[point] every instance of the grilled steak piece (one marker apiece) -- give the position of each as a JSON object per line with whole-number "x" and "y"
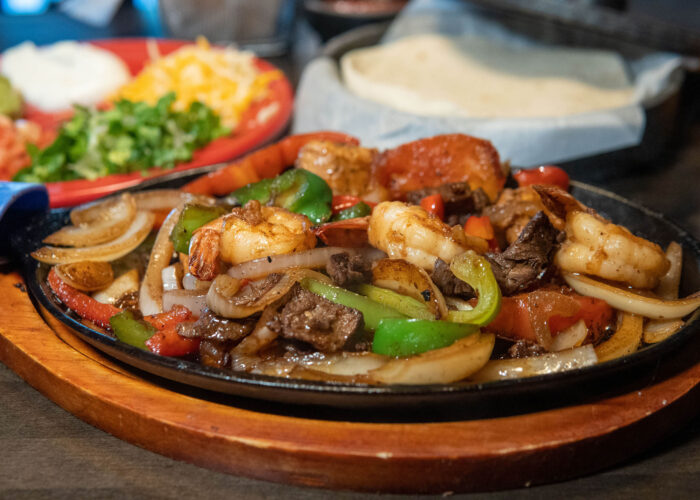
{"x": 448, "y": 283}
{"x": 214, "y": 353}
{"x": 345, "y": 269}
{"x": 459, "y": 199}
{"x": 209, "y": 326}
{"x": 524, "y": 264}
{"x": 313, "y": 319}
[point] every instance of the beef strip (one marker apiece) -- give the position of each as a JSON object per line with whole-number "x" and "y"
{"x": 345, "y": 269}
{"x": 214, "y": 353}
{"x": 459, "y": 199}
{"x": 523, "y": 265}
{"x": 313, "y": 319}
{"x": 448, "y": 283}
{"x": 209, "y": 326}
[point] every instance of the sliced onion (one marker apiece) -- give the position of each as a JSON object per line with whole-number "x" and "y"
{"x": 316, "y": 258}
{"x": 223, "y": 297}
{"x": 167, "y": 199}
{"x": 624, "y": 300}
{"x": 86, "y": 276}
{"x": 458, "y": 304}
{"x": 189, "y": 282}
{"x": 669, "y": 282}
{"x": 657, "y": 330}
{"x": 260, "y": 337}
{"x": 151, "y": 292}
{"x": 349, "y": 363}
{"x": 106, "y": 221}
{"x": 192, "y": 300}
{"x": 133, "y": 237}
{"x": 124, "y": 284}
{"x": 403, "y": 277}
{"x": 440, "y": 366}
{"x": 554, "y": 362}
{"x": 625, "y": 340}
{"x": 542, "y": 305}
{"x": 571, "y": 337}
{"x": 171, "y": 277}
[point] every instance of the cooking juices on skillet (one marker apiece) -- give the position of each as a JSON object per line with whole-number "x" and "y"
{"x": 317, "y": 258}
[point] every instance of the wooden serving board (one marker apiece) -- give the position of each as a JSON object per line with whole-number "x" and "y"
{"x": 474, "y": 455}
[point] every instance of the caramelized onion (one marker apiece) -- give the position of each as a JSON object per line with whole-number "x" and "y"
{"x": 86, "y": 276}
{"x": 100, "y": 222}
{"x": 107, "y": 252}
{"x": 633, "y": 303}
{"x": 554, "y": 362}
{"x": 439, "y": 366}
{"x": 403, "y": 277}
{"x": 151, "y": 292}
{"x": 625, "y": 340}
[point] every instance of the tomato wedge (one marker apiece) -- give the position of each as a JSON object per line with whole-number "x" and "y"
{"x": 434, "y": 204}
{"x": 547, "y": 174}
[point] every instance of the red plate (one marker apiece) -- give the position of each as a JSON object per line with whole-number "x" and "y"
{"x": 249, "y": 134}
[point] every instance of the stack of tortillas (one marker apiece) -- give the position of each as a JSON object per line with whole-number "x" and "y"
{"x": 475, "y": 77}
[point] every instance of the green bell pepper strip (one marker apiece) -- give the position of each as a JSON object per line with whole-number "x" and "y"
{"x": 297, "y": 190}
{"x": 372, "y": 311}
{"x": 361, "y": 209}
{"x": 476, "y": 271}
{"x": 408, "y": 337}
{"x": 191, "y": 218}
{"x": 402, "y": 303}
{"x": 131, "y": 331}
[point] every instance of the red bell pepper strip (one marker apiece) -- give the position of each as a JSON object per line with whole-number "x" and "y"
{"x": 167, "y": 342}
{"x": 481, "y": 227}
{"x": 548, "y": 174}
{"x": 513, "y": 321}
{"x": 261, "y": 164}
{"x": 596, "y": 313}
{"x": 84, "y": 306}
{"x": 434, "y": 204}
{"x": 176, "y": 315}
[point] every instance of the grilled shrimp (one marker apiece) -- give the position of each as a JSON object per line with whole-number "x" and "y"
{"x": 596, "y": 246}
{"x": 347, "y": 168}
{"x": 409, "y": 232}
{"x": 247, "y": 233}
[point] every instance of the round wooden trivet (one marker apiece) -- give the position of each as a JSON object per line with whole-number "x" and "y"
{"x": 473, "y": 455}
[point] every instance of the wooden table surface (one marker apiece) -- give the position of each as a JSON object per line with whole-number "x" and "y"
{"x": 47, "y": 453}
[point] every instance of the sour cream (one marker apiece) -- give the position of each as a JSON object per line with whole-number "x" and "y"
{"x": 55, "y": 77}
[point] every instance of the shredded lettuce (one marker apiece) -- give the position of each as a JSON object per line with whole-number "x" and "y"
{"x": 129, "y": 137}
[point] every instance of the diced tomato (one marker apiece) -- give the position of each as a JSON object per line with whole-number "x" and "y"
{"x": 83, "y": 305}
{"x": 547, "y": 174}
{"x": 434, "y": 204}
{"x": 176, "y": 315}
{"x": 167, "y": 342}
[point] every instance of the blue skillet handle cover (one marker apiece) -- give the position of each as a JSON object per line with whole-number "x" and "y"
{"x": 19, "y": 201}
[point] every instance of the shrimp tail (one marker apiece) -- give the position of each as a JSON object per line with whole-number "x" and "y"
{"x": 204, "y": 253}
{"x": 558, "y": 202}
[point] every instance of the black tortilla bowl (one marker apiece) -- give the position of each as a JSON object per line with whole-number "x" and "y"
{"x": 426, "y": 402}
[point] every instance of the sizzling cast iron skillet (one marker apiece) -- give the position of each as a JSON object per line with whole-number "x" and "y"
{"x": 462, "y": 399}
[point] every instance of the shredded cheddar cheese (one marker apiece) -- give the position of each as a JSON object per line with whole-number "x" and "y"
{"x": 225, "y": 79}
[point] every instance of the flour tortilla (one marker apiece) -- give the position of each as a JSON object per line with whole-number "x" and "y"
{"x": 475, "y": 77}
